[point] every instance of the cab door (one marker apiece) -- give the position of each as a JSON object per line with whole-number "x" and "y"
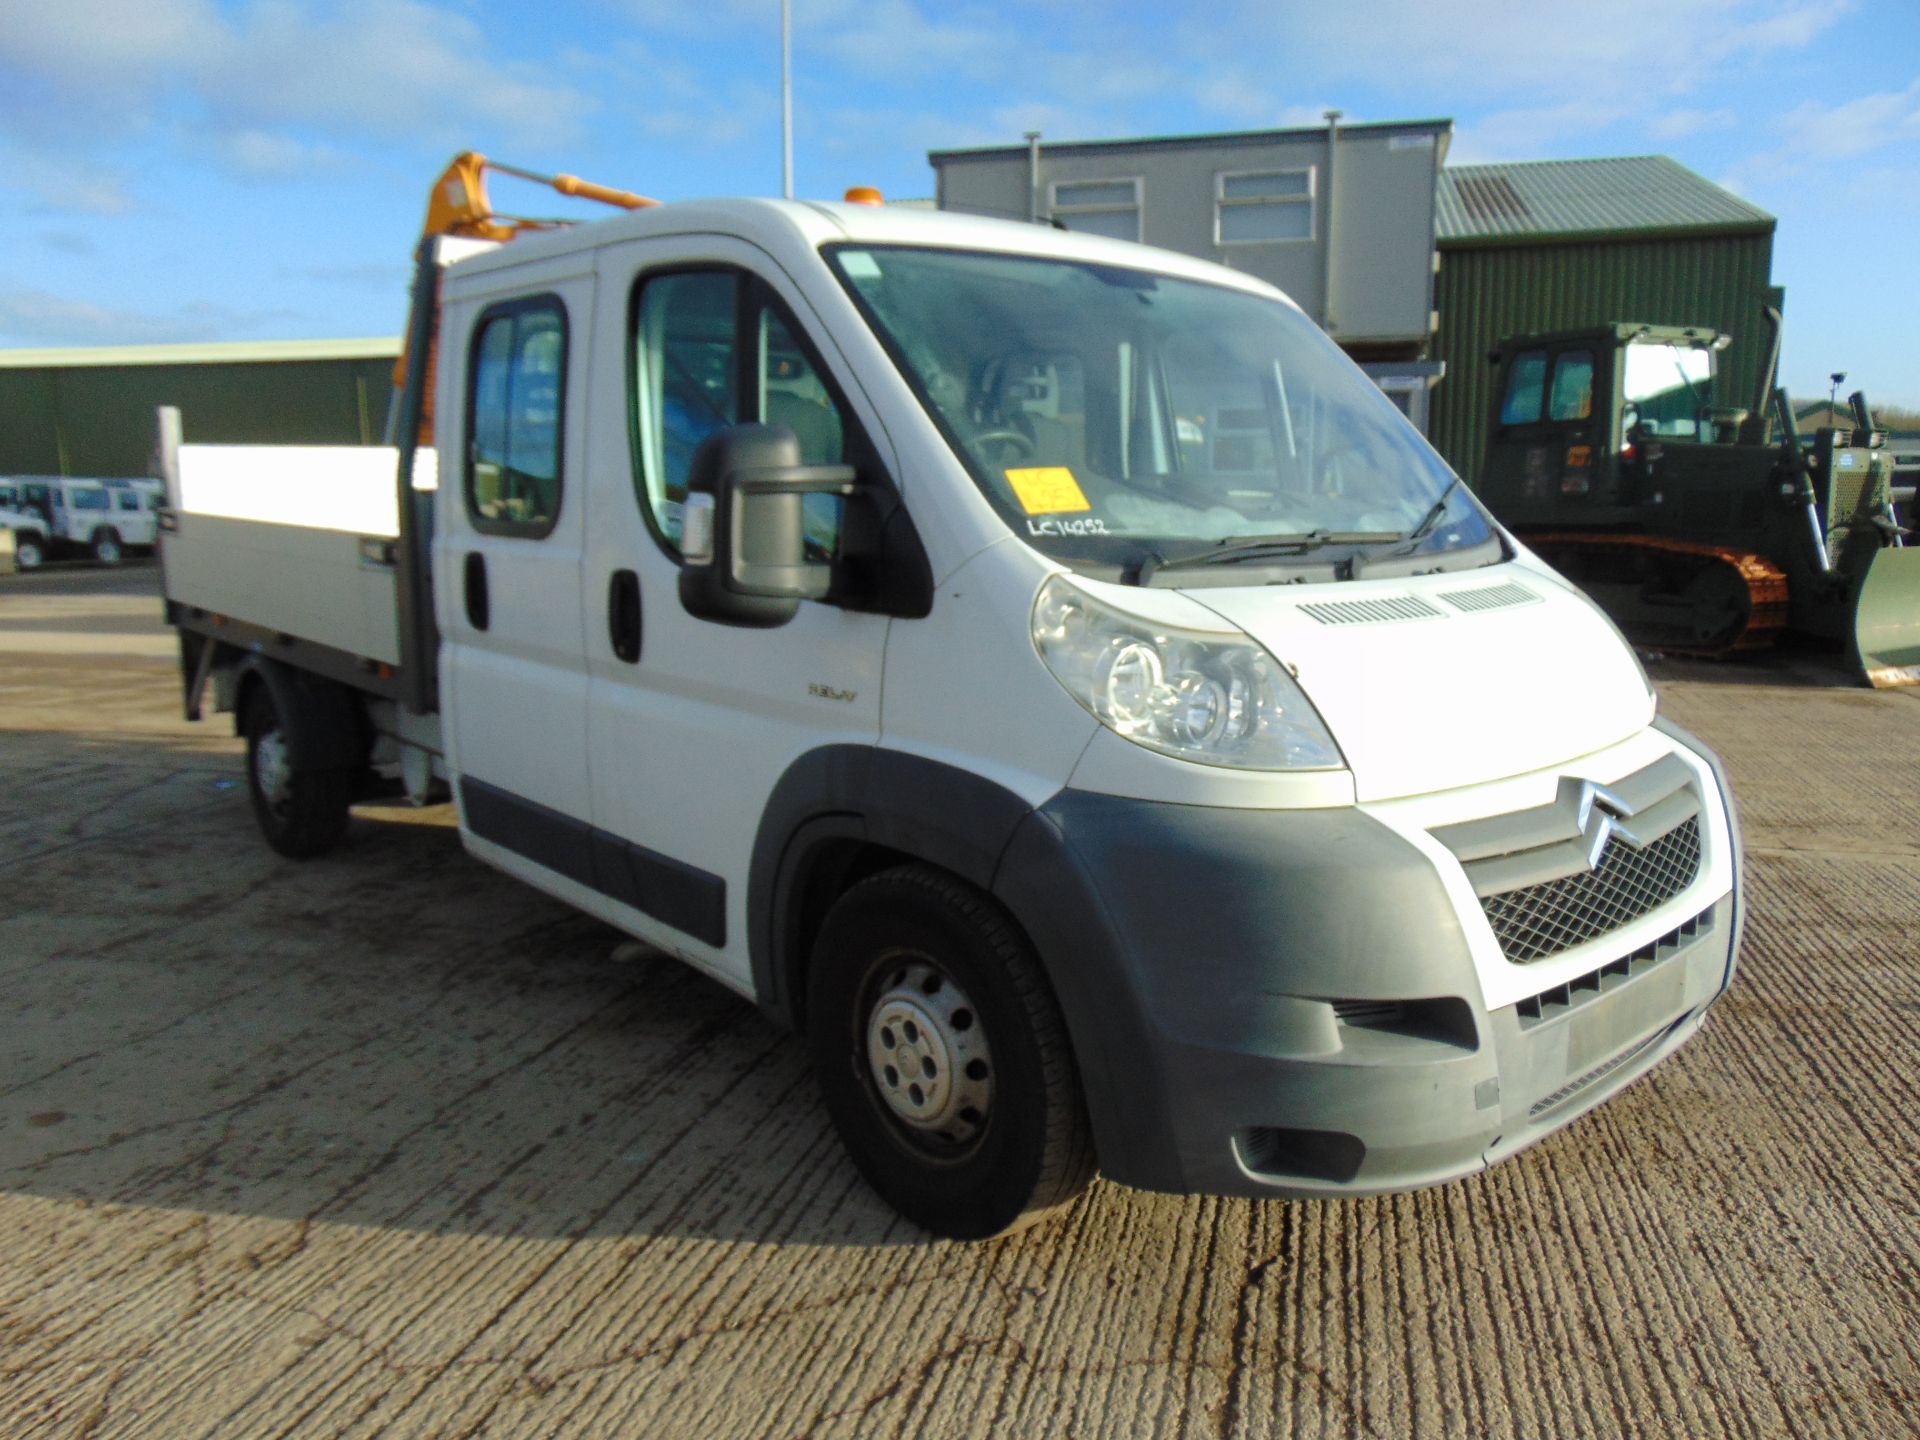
{"x": 512, "y": 415}
{"x": 692, "y": 722}
{"x": 1545, "y": 443}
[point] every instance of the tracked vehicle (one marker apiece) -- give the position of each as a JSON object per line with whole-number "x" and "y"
{"x": 1701, "y": 530}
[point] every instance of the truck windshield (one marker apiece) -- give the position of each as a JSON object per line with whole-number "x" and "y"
{"x": 1111, "y": 414}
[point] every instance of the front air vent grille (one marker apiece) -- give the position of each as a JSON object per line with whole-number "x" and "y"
{"x": 1490, "y": 597}
{"x": 1629, "y": 881}
{"x": 1552, "y": 1004}
{"x": 1593, "y": 1077}
{"x": 1382, "y": 611}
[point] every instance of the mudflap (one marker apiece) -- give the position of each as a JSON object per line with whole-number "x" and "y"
{"x": 1886, "y": 619}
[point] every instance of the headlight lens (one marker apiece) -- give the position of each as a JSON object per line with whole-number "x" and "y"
{"x": 1218, "y": 699}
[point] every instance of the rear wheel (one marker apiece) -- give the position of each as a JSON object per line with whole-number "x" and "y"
{"x": 29, "y": 550}
{"x": 943, "y": 1056}
{"x": 106, "y": 546}
{"x": 301, "y": 811}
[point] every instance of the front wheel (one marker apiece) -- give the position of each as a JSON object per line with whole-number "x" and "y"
{"x": 301, "y": 811}
{"x": 106, "y": 546}
{"x": 29, "y": 550}
{"x": 943, "y": 1056}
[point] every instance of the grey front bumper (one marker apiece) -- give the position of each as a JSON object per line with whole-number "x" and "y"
{"x": 1283, "y": 1004}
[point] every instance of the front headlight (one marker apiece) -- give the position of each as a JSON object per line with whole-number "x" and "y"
{"x": 1214, "y": 698}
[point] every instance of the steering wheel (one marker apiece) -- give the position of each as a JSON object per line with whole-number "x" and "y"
{"x": 1023, "y": 445}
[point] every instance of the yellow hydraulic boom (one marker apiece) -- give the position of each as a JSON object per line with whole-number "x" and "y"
{"x": 459, "y": 205}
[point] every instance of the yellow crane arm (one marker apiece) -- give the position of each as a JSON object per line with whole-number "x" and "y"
{"x": 459, "y": 205}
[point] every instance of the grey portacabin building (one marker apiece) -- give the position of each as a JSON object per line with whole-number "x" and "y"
{"x": 1340, "y": 217}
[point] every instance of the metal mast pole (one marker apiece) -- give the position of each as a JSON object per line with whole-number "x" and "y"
{"x": 786, "y": 98}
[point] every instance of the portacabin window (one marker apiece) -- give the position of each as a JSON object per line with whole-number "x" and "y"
{"x": 1098, "y": 207}
{"x": 516, "y": 409}
{"x": 1261, "y": 207}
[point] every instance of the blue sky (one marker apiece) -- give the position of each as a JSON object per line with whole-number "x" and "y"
{"x": 256, "y": 169}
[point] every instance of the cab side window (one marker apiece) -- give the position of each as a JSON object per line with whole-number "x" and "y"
{"x": 515, "y": 407}
{"x": 686, "y": 375}
{"x": 710, "y": 349}
{"x": 1572, "y": 396}
{"x": 1526, "y": 385}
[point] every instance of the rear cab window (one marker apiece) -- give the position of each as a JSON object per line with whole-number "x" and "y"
{"x": 515, "y": 402}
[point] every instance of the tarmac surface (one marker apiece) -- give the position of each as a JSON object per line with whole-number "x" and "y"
{"x": 386, "y": 1144}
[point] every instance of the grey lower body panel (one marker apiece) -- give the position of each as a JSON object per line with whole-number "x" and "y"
{"x": 1285, "y": 1005}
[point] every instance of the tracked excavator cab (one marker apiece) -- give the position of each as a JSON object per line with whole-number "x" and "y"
{"x": 1702, "y": 526}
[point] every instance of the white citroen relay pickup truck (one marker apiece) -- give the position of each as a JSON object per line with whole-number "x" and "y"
{"x": 1040, "y": 669}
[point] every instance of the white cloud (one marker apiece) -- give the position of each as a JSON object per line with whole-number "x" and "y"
{"x": 678, "y": 101}
{"x": 266, "y": 155}
{"x": 848, "y": 131}
{"x": 68, "y": 242}
{"x": 383, "y": 67}
{"x": 1479, "y": 48}
{"x": 1816, "y": 136}
{"x": 37, "y": 317}
{"x": 1532, "y": 132}
{"x": 1679, "y": 124}
{"x": 52, "y": 186}
{"x": 1854, "y": 127}
{"x": 81, "y": 42}
{"x": 260, "y": 78}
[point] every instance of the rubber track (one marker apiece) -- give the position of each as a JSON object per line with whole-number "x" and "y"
{"x": 1766, "y": 585}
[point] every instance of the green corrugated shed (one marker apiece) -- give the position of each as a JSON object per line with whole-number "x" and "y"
{"x": 1554, "y": 244}
{"x": 91, "y": 411}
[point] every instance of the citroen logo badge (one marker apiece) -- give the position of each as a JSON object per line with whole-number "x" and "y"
{"x": 1598, "y": 814}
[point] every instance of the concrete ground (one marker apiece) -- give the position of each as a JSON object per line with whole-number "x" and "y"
{"x": 387, "y": 1145}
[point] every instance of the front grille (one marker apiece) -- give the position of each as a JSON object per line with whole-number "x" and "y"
{"x": 1536, "y": 921}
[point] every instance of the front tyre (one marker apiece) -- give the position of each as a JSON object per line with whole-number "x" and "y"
{"x": 943, "y": 1057}
{"x": 106, "y": 546}
{"x": 29, "y": 550}
{"x": 301, "y": 811}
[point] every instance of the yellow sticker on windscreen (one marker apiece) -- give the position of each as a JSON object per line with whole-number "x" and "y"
{"x": 1048, "y": 489}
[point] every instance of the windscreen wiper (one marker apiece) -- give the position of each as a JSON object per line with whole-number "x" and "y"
{"x": 1433, "y": 516}
{"x": 1236, "y": 548}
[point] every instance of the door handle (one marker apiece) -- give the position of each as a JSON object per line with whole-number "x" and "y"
{"x": 623, "y": 615}
{"x": 479, "y": 610}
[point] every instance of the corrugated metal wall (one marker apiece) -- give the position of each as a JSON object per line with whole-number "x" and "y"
{"x": 1487, "y": 294}
{"x": 98, "y": 419}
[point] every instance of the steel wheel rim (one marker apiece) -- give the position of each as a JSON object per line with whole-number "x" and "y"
{"x": 273, "y": 770}
{"x": 927, "y": 1056}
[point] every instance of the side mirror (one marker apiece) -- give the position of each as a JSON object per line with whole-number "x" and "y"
{"x": 744, "y": 543}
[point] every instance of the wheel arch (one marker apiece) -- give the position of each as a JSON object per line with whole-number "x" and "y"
{"x": 325, "y": 723}
{"x": 841, "y": 813}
